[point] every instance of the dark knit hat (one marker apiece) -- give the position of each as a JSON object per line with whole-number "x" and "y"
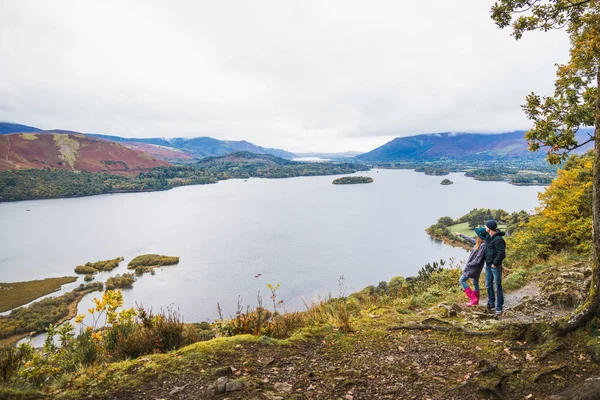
{"x": 493, "y": 225}
{"x": 481, "y": 232}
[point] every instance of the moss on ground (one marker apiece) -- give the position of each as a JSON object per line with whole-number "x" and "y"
{"x": 371, "y": 362}
{"x": 17, "y": 394}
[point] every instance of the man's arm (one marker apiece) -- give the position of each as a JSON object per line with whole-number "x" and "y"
{"x": 500, "y": 252}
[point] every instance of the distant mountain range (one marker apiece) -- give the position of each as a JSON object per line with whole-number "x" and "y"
{"x": 343, "y": 156}
{"x": 425, "y": 147}
{"x": 73, "y": 152}
{"x": 458, "y": 146}
{"x": 7, "y": 127}
{"x": 175, "y": 150}
{"x": 200, "y": 147}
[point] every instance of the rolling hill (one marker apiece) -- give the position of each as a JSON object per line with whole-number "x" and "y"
{"x": 8, "y": 127}
{"x": 449, "y": 145}
{"x": 173, "y": 150}
{"x": 200, "y": 147}
{"x": 71, "y": 151}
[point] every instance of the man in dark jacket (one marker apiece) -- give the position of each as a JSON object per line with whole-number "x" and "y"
{"x": 494, "y": 254}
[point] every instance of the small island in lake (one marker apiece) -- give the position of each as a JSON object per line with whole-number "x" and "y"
{"x": 148, "y": 262}
{"x": 351, "y": 180}
{"x": 446, "y": 182}
{"x": 124, "y": 281}
{"x": 91, "y": 268}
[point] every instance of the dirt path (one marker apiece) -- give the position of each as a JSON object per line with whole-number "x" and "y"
{"x": 528, "y": 304}
{"x": 8, "y": 148}
{"x": 372, "y": 363}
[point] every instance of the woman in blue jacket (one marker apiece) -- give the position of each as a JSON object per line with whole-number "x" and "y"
{"x": 474, "y": 265}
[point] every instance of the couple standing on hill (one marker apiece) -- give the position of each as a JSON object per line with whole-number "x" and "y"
{"x": 489, "y": 249}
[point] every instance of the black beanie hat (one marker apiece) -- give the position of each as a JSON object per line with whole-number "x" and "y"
{"x": 493, "y": 225}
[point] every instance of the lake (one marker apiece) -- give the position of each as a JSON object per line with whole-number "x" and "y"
{"x": 303, "y": 233}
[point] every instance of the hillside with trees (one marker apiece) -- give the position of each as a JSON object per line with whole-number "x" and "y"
{"x": 457, "y": 147}
{"x": 54, "y": 183}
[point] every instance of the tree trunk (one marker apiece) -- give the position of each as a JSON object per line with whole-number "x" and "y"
{"x": 590, "y": 307}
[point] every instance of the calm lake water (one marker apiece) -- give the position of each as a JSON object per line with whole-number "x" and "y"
{"x": 303, "y": 233}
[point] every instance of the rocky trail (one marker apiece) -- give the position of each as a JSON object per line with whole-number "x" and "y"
{"x": 380, "y": 359}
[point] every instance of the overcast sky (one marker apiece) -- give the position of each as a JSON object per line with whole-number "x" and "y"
{"x": 299, "y": 75}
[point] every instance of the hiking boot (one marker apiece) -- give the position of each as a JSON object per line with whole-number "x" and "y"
{"x": 469, "y": 293}
{"x": 498, "y": 313}
{"x": 474, "y": 299}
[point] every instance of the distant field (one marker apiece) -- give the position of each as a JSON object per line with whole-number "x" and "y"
{"x": 464, "y": 228}
{"x": 16, "y": 294}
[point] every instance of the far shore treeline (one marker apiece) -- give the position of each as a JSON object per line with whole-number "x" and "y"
{"x": 34, "y": 184}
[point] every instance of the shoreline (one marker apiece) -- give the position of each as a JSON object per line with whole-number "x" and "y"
{"x": 450, "y": 241}
{"x": 72, "y": 313}
{"x": 171, "y": 188}
{"x": 510, "y": 182}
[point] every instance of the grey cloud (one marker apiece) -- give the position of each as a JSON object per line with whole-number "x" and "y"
{"x": 302, "y": 75}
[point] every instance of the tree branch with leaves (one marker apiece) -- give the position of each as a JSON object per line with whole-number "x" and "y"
{"x": 574, "y": 104}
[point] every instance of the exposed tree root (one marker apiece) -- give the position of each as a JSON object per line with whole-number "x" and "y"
{"x": 451, "y": 328}
{"x": 549, "y": 371}
{"x": 492, "y": 387}
{"x": 588, "y": 390}
{"x": 439, "y": 321}
{"x": 550, "y": 351}
{"x": 579, "y": 318}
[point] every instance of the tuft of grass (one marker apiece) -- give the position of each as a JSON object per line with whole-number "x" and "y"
{"x": 18, "y": 394}
{"x": 516, "y": 280}
{"x": 18, "y": 293}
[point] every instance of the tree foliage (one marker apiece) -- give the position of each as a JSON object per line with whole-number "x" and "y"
{"x": 48, "y": 183}
{"x": 558, "y": 118}
{"x": 575, "y": 102}
{"x": 563, "y": 221}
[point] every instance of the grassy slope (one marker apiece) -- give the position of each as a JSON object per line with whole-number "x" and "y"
{"x": 16, "y": 294}
{"x": 325, "y": 363}
{"x": 464, "y": 229}
{"x": 372, "y": 361}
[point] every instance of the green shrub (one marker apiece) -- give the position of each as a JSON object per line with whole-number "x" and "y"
{"x": 515, "y": 280}
{"x": 431, "y": 295}
{"x": 107, "y": 265}
{"x": 124, "y": 281}
{"x": 93, "y": 267}
{"x": 89, "y": 287}
{"x": 85, "y": 350}
{"x": 85, "y": 269}
{"x": 446, "y": 221}
{"x": 12, "y": 359}
{"x": 395, "y": 285}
